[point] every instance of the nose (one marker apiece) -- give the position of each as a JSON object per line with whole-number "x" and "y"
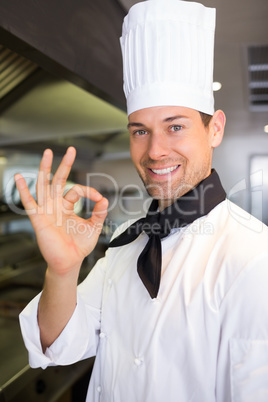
{"x": 158, "y": 146}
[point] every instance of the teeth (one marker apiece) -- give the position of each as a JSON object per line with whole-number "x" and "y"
{"x": 164, "y": 171}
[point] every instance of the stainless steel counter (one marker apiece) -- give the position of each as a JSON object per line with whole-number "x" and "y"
{"x": 13, "y": 355}
{"x": 18, "y": 382}
{"x": 21, "y": 278}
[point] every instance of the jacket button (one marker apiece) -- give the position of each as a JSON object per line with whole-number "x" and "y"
{"x": 137, "y": 361}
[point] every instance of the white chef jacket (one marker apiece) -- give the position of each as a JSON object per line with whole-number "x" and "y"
{"x": 203, "y": 339}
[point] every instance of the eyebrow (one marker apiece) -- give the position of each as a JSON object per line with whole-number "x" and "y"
{"x": 166, "y": 120}
{"x": 135, "y": 125}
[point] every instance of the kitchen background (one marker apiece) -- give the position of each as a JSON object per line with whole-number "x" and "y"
{"x": 61, "y": 85}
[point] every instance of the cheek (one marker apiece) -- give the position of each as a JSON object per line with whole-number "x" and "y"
{"x": 193, "y": 151}
{"x": 136, "y": 152}
{"x": 186, "y": 149}
{"x": 139, "y": 147}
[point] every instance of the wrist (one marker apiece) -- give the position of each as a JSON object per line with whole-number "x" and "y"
{"x": 63, "y": 275}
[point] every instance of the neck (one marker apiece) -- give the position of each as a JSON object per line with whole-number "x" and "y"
{"x": 164, "y": 203}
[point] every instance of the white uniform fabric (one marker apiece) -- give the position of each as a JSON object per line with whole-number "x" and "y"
{"x": 205, "y": 337}
{"x": 167, "y": 50}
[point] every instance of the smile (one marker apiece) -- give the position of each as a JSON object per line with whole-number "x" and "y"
{"x": 161, "y": 172}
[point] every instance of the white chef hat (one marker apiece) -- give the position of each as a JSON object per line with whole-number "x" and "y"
{"x": 167, "y": 48}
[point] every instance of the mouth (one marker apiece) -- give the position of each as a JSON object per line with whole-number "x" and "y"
{"x": 162, "y": 172}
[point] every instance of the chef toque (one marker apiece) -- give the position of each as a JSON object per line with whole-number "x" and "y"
{"x": 167, "y": 48}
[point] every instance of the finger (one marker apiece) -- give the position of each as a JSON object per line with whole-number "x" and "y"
{"x": 72, "y": 197}
{"x": 78, "y": 191}
{"x": 93, "y": 225}
{"x": 27, "y": 199}
{"x": 62, "y": 173}
{"x": 99, "y": 213}
{"x": 43, "y": 180}
{"x": 96, "y": 221}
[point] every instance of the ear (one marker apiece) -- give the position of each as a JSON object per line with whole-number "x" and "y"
{"x": 216, "y": 128}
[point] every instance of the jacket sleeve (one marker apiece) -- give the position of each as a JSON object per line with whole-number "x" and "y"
{"x": 79, "y": 339}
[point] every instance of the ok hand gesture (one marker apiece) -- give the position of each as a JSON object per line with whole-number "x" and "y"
{"x": 56, "y": 225}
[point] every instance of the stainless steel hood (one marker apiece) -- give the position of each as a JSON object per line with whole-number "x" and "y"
{"x": 76, "y": 48}
{"x": 77, "y": 41}
{"x": 61, "y": 77}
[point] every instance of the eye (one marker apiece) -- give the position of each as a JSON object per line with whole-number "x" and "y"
{"x": 176, "y": 128}
{"x": 139, "y": 133}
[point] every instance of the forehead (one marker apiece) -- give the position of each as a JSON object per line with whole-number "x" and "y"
{"x": 160, "y": 113}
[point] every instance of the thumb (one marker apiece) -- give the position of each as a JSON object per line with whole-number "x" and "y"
{"x": 99, "y": 214}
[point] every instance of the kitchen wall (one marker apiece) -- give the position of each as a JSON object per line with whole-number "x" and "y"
{"x": 232, "y": 160}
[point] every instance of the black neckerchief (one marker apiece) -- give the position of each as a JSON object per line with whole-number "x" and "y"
{"x": 157, "y": 225}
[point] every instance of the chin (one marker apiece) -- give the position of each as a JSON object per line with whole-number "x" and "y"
{"x": 161, "y": 196}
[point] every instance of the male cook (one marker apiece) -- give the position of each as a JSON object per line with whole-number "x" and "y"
{"x": 176, "y": 311}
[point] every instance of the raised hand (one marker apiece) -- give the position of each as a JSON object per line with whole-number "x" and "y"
{"x": 64, "y": 238}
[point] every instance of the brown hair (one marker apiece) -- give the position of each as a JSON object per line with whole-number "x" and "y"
{"x": 205, "y": 118}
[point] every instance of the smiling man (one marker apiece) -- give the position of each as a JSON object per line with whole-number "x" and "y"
{"x": 173, "y": 312}
{"x": 172, "y": 149}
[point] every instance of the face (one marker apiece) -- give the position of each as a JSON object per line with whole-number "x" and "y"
{"x": 171, "y": 150}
